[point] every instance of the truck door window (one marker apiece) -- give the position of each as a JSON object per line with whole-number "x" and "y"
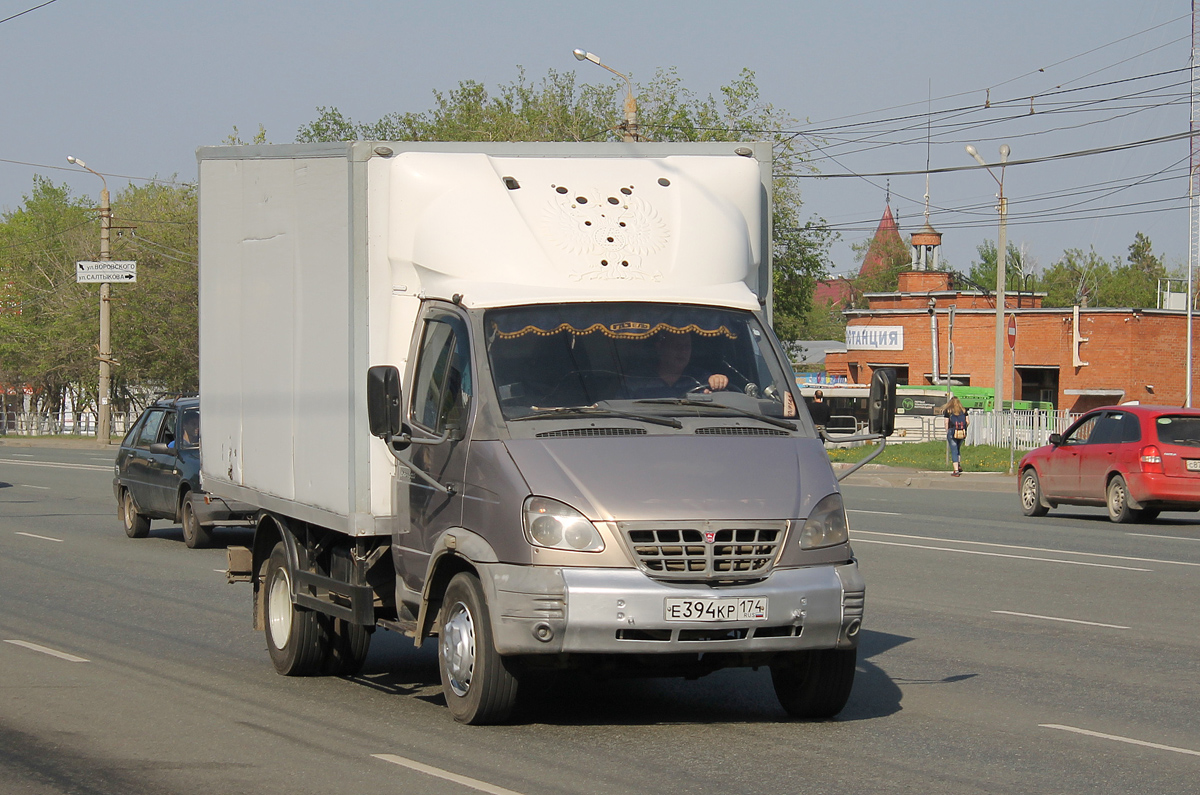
{"x": 442, "y": 386}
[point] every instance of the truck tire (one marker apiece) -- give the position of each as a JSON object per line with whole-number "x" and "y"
{"x": 479, "y": 686}
{"x": 1031, "y": 494}
{"x": 136, "y": 525}
{"x": 814, "y": 685}
{"x": 195, "y": 535}
{"x": 298, "y": 639}
{"x": 349, "y": 648}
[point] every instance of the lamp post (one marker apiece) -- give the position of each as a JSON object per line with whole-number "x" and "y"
{"x": 630, "y": 126}
{"x": 103, "y": 416}
{"x": 1001, "y": 266}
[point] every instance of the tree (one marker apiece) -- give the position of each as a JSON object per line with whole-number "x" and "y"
{"x": 983, "y": 272}
{"x": 1075, "y": 279}
{"x": 884, "y": 259}
{"x": 557, "y": 108}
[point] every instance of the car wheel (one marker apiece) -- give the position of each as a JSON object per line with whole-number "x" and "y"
{"x": 479, "y": 686}
{"x": 136, "y": 525}
{"x": 1118, "y": 501}
{"x": 298, "y": 639}
{"x": 195, "y": 535}
{"x": 816, "y": 684}
{"x": 1031, "y": 494}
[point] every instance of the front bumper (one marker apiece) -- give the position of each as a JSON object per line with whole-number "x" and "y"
{"x": 538, "y": 610}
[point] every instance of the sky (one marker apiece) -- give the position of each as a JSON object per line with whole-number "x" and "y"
{"x": 133, "y": 87}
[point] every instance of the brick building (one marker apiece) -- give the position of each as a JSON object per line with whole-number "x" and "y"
{"x": 1076, "y": 358}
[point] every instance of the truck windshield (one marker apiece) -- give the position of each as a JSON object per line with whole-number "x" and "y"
{"x": 647, "y": 358}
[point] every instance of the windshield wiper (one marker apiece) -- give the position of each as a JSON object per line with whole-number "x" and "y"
{"x": 697, "y": 404}
{"x": 596, "y": 411}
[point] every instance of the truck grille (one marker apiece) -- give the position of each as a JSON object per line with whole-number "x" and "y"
{"x": 704, "y": 550}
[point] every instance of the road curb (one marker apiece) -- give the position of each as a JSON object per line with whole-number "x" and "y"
{"x": 893, "y": 477}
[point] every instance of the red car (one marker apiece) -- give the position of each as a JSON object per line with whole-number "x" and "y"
{"x": 1136, "y": 460}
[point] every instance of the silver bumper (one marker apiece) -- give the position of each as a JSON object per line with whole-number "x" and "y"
{"x": 621, "y": 611}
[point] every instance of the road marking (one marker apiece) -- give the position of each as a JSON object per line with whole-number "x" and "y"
{"x": 23, "y": 455}
{"x": 62, "y": 655}
{"x": 91, "y": 467}
{"x": 1151, "y": 535}
{"x": 31, "y": 535}
{"x": 1120, "y": 739}
{"x": 437, "y": 772}
{"x": 1030, "y": 549}
{"x": 997, "y": 554}
{"x": 27, "y": 486}
{"x": 880, "y": 513}
{"x": 105, "y": 460}
{"x": 1055, "y": 618}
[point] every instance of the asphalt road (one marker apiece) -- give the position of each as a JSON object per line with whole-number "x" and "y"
{"x": 1001, "y": 654}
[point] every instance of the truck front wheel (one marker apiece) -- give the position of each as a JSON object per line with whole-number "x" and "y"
{"x": 298, "y": 639}
{"x": 814, "y": 685}
{"x": 478, "y": 684}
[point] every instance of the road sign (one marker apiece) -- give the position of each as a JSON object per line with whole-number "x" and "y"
{"x": 106, "y": 271}
{"x": 1012, "y": 332}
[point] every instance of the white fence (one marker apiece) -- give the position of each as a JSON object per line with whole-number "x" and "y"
{"x": 1019, "y": 430}
{"x": 28, "y": 423}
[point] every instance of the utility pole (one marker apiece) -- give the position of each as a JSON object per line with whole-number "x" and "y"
{"x": 629, "y": 127}
{"x": 103, "y": 406}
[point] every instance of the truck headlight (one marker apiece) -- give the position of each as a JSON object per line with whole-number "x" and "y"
{"x": 556, "y": 525}
{"x": 826, "y": 526}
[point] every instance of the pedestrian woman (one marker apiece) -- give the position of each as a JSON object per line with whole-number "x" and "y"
{"x": 956, "y": 431}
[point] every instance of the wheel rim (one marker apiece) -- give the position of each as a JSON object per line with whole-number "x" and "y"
{"x": 1116, "y": 498}
{"x": 279, "y": 609}
{"x": 458, "y": 648}
{"x": 130, "y": 511}
{"x": 189, "y": 530}
{"x": 1029, "y": 493}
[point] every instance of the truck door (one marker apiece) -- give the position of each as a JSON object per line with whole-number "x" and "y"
{"x": 439, "y": 406}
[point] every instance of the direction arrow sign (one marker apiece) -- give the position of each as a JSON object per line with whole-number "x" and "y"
{"x": 106, "y": 271}
{"x": 1012, "y": 332}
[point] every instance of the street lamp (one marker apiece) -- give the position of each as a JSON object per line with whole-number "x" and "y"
{"x": 631, "y": 125}
{"x": 103, "y": 416}
{"x": 1001, "y": 266}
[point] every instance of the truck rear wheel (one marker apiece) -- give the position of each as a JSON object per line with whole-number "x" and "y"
{"x": 349, "y": 648}
{"x": 136, "y": 525}
{"x": 814, "y": 685}
{"x": 297, "y": 639}
{"x": 195, "y": 535}
{"x": 478, "y": 684}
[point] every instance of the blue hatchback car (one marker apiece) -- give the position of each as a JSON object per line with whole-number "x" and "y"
{"x": 157, "y": 475}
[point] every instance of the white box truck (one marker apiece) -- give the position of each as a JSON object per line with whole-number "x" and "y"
{"x": 524, "y": 398}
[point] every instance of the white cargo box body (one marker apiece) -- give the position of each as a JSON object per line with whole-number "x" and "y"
{"x": 314, "y": 260}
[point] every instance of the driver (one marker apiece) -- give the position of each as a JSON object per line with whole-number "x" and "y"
{"x": 672, "y": 376}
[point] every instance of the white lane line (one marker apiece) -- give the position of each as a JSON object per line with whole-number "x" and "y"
{"x": 1151, "y": 535}
{"x": 996, "y": 554}
{"x": 91, "y": 467}
{"x": 1118, "y": 738}
{"x": 1030, "y": 549}
{"x": 105, "y": 460}
{"x": 1055, "y": 618}
{"x": 437, "y": 772}
{"x": 23, "y": 455}
{"x": 27, "y": 486}
{"x": 62, "y": 655}
{"x": 878, "y": 513}
{"x": 32, "y": 535}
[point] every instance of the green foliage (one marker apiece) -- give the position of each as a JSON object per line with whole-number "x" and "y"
{"x": 49, "y": 325}
{"x": 929, "y": 456}
{"x": 557, "y": 108}
{"x": 893, "y": 257}
{"x": 983, "y": 272}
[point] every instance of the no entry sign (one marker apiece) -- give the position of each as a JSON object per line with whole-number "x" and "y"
{"x": 1012, "y": 332}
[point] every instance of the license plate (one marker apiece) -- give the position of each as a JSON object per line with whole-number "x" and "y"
{"x": 752, "y": 608}
{"x": 1193, "y": 464}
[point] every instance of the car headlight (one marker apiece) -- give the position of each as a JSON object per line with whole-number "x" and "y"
{"x": 556, "y": 525}
{"x": 826, "y": 526}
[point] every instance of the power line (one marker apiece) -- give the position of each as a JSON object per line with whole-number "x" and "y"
{"x": 26, "y": 11}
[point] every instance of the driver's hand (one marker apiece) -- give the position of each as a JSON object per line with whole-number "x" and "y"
{"x": 718, "y": 381}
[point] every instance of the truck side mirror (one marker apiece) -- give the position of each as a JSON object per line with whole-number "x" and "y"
{"x": 881, "y": 413}
{"x": 383, "y": 400}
